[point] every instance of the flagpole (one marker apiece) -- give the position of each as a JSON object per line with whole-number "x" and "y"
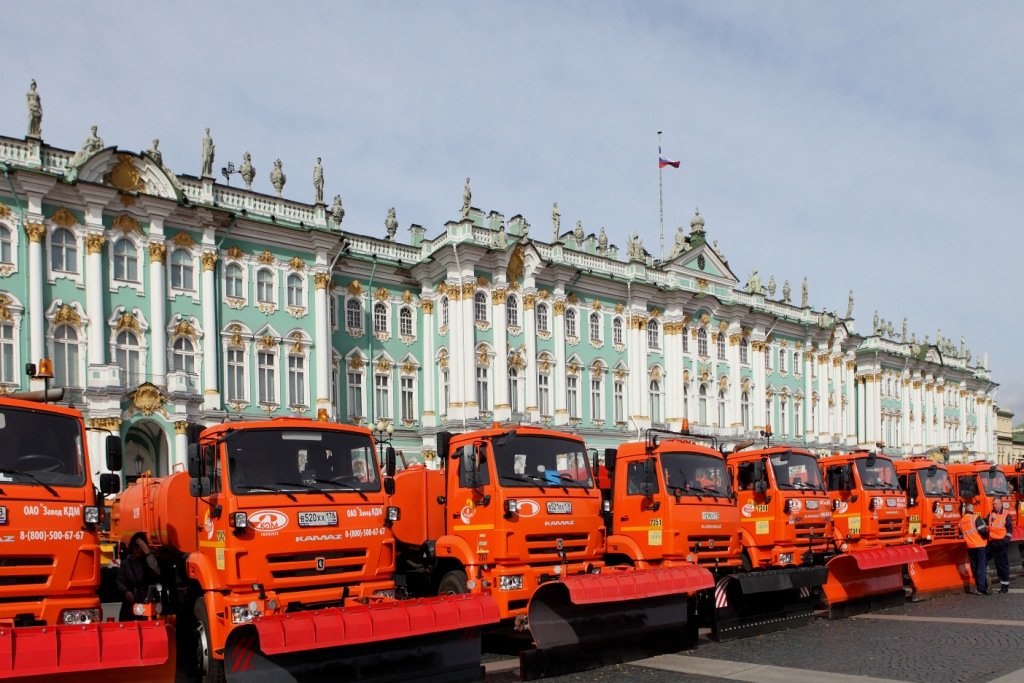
{"x": 661, "y": 207}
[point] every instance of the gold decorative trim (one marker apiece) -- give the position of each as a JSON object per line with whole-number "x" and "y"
{"x": 297, "y": 263}
{"x": 184, "y": 329}
{"x": 235, "y": 330}
{"x": 529, "y": 301}
{"x": 407, "y": 296}
{"x": 427, "y": 306}
{"x": 481, "y": 281}
{"x": 499, "y": 296}
{"x": 66, "y": 315}
{"x": 181, "y": 427}
{"x": 35, "y": 231}
{"x": 94, "y": 244}
{"x": 209, "y": 259}
{"x": 322, "y": 279}
{"x": 5, "y": 311}
{"x": 64, "y": 218}
{"x": 408, "y": 368}
{"x": 266, "y": 258}
{"x": 125, "y": 224}
{"x": 5, "y": 211}
{"x": 125, "y": 176}
{"x": 354, "y": 288}
{"x": 235, "y": 253}
{"x": 382, "y": 294}
{"x": 383, "y": 365}
{"x": 127, "y": 321}
{"x": 184, "y": 240}
{"x": 355, "y": 363}
{"x": 157, "y": 252}
{"x": 267, "y": 342}
{"x": 559, "y": 307}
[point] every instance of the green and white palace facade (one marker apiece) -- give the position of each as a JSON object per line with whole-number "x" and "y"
{"x": 171, "y": 301}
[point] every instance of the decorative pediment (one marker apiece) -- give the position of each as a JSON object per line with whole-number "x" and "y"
{"x": 127, "y": 172}
{"x": 702, "y": 263}
{"x": 147, "y": 399}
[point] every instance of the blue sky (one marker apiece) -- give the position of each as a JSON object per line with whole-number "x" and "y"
{"x": 872, "y": 146}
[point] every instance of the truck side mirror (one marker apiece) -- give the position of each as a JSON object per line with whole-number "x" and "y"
{"x": 609, "y": 458}
{"x": 760, "y": 486}
{"x": 846, "y": 478}
{"x": 113, "y": 446}
{"x": 389, "y": 462}
{"x": 110, "y": 483}
{"x": 195, "y": 463}
{"x": 648, "y": 487}
{"x": 199, "y": 487}
{"x": 389, "y": 486}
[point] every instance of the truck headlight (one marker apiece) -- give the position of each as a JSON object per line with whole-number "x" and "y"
{"x": 79, "y": 616}
{"x": 876, "y": 503}
{"x": 511, "y": 507}
{"x": 786, "y": 558}
{"x": 91, "y": 514}
{"x": 239, "y": 520}
{"x": 244, "y": 614}
{"x": 394, "y": 513}
{"x": 606, "y": 505}
{"x": 3, "y": 514}
{"x": 510, "y": 583}
{"x": 938, "y": 509}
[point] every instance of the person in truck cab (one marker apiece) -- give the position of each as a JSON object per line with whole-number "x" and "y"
{"x": 1000, "y": 528}
{"x": 974, "y": 531}
{"x": 135, "y": 574}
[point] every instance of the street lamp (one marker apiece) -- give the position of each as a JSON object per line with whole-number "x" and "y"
{"x": 139, "y": 462}
{"x": 383, "y": 432}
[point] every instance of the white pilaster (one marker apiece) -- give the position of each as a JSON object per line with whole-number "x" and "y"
{"x": 430, "y": 369}
{"x": 211, "y": 393}
{"x": 321, "y": 341}
{"x": 558, "y": 387}
{"x": 502, "y": 407}
{"x": 36, "y": 277}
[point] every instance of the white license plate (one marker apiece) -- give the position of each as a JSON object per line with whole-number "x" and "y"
{"x": 948, "y": 507}
{"x": 559, "y": 507}
{"x": 327, "y": 518}
{"x": 812, "y": 505}
{"x": 890, "y": 502}
{"x": 709, "y": 516}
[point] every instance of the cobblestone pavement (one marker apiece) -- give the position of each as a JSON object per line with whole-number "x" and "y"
{"x": 956, "y": 638}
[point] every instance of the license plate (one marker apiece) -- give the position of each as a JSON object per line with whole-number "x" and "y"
{"x": 559, "y": 507}
{"x": 948, "y": 507}
{"x": 709, "y": 516}
{"x": 327, "y": 518}
{"x": 812, "y": 505}
{"x": 890, "y": 502}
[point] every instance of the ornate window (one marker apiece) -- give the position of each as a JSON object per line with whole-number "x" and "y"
{"x": 446, "y": 390}
{"x": 596, "y": 399}
{"x": 570, "y": 322}
{"x": 744, "y": 351}
{"x": 654, "y": 390}
{"x": 296, "y": 379}
{"x": 544, "y": 394}
{"x": 572, "y": 395}
{"x": 265, "y": 286}
{"x": 182, "y": 271}
{"x": 380, "y": 318}
{"x": 294, "y": 285}
{"x": 721, "y": 346}
{"x": 768, "y": 358}
{"x": 783, "y": 425}
{"x": 653, "y": 335}
{"x": 183, "y": 356}
{"x": 126, "y": 261}
{"x": 782, "y": 360}
{"x": 702, "y": 404}
{"x": 480, "y": 307}
{"x": 7, "y": 354}
{"x": 128, "y": 357}
{"x": 355, "y": 393}
{"x": 6, "y": 245}
{"x": 617, "y": 331}
{"x": 66, "y": 356}
{"x": 408, "y": 403}
{"x": 721, "y": 408}
{"x": 686, "y": 340}
{"x": 796, "y": 363}
{"x": 798, "y": 428}
{"x": 595, "y": 326}
{"x": 619, "y": 400}
{"x": 444, "y": 312}
{"x": 354, "y": 314}
{"x": 236, "y": 374}
{"x": 382, "y": 395}
{"x": 63, "y": 251}
{"x": 542, "y": 318}
{"x": 483, "y": 387}
{"x": 266, "y": 365}
{"x": 233, "y": 281}
{"x": 512, "y": 311}
{"x": 745, "y": 409}
{"x": 702, "y": 343}
{"x": 405, "y": 321}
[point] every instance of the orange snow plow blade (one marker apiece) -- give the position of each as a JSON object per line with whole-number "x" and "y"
{"x": 587, "y": 621}
{"x": 946, "y": 570}
{"x": 872, "y": 578}
{"x": 430, "y": 639}
{"x": 111, "y": 651}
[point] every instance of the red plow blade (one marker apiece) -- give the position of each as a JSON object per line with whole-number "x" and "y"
{"x": 946, "y": 570}
{"x": 141, "y": 649}
{"x": 586, "y": 621}
{"x": 872, "y": 578}
{"x": 430, "y": 639}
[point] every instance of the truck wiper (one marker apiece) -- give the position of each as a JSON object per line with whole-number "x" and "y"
{"x": 533, "y": 479}
{"x": 343, "y": 487}
{"x": 308, "y": 487}
{"x": 266, "y": 487}
{"x": 710, "y": 492}
{"x": 32, "y": 477}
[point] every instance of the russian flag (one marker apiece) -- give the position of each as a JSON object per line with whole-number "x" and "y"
{"x": 664, "y": 161}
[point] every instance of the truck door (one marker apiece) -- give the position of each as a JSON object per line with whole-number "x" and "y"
{"x": 472, "y": 514}
{"x": 639, "y": 513}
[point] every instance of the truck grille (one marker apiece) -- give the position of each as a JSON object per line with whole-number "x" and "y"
{"x": 890, "y": 528}
{"x": 546, "y": 545}
{"x": 808, "y": 533}
{"x": 710, "y": 550}
{"x": 299, "y": 565}
{"x": 947, "y": 530}
{"x": 25, "y": 571}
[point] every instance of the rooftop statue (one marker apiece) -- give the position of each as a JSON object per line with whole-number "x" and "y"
{"x": 786, "y": 292}
{"x": 155, "y": 154}
{"x": 849, "y": 308}
{"x": 207, "y": 155}
{"x": 578, "y": 233}
{"x": 247, "y": 171}
{"x": 318, "y": 182}
{"x": 35, "y": 112}
{"x": 391, "y": 223}
{"x": 556, "y": 221}
{"x": 602, "y": 241}
{"x": 467, "y": 197}
{"x": 277, "y": 177}
{"x": 803, "y": 293}
{"x": 636, "y": 248}
{"x": 754, "y": 283}
{"x": 680, "y": 246}
{"x": 771, "y": 286}
{"x": 92, "y": 144}
{"x": 337, "y": 211}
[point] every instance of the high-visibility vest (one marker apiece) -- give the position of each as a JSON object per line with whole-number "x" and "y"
{"x": 997, "y": 522}
{"x": 969, "y": 530}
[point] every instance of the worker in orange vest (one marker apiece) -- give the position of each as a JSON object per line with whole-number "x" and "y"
{"x": 974, "y": 530}
{"x": 1000, "y": 528}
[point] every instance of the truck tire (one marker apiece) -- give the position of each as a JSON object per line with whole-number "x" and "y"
{"x": 208, "y": 668}
{"x": 453, "y": 583}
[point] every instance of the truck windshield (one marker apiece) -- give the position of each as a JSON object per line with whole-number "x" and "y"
{"x": 40, "y": 449}
{"x": 694, "y": 474}
{"x": 881, "y": 475}
{"x": 541, "y": 460}
{"x": 261, "y": 460}
{"x": 935, "y": 483}
{"x": 796, "y": 471}
{"x": 994, "y": 483}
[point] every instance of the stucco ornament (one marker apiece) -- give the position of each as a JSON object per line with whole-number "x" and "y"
{"x": 35, "y": 112}
{"x": 277, "y": 177}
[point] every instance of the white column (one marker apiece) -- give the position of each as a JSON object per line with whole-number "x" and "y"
{"x": 430, "y": 369}
{"x": 558, "y": 387}
{"x": 636, "y": 344}
{"x": 158, "y": 313}
{"x": 502, "y": 407}
{"x": 36, "y": 277}
{"x": 467, "y": 363}
{"x": 732, "y": 357}
{"x": 837, "y": 395}
{"x": 808, "y": 393}
{"x": 530, "y": 328}
{"x": 211, "y": 394}
{"x": 757, "y": 352}
{"x": 673, "y": 374}
{"x": 180, "y": 454}
{"x": 321, "y": 342}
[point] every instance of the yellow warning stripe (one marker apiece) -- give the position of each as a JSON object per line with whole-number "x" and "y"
{"x": 640, "y": 528}
{"x": 211, "y": 544}
{"x": 472, "y": 527}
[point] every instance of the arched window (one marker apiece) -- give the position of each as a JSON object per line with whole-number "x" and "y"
{"x": 444, "y": 311}
{"x": 686, "y": 340}
{"x": 354, "y": 315}
{"x": 233, "y": 281}
{"x": 126, "y": 261}
{"x": 595, "y": 326}
{"x": 796, "y": 363}
{"x": 513, "y": 389}
{"x": 721, "y": 408}
{"x": 702, "y": 342}
{"x": 183, "y": 356}
{"x": 6, "y": 245}
{"x": 782, "y": 360}
{"x": 63, "y": 251}
{"x": 512, "y": 311}
{"x": 744, "y": 351}
{"x": 480, "y": 307}
{"x": 236, "y": 374}
{"x": 798, "y": 428}
{"x": 380, "y": 317}
{"x": 542, "y": 318}
{"x": 128, "y": 356}
{"x": 405, "y": 321}
{"x": 702, "y": 404}
{"x": 570, "y": 322}
{"x": 653, "y": 336}
{"x": 720, "y": 343}
{"x": 655, "y": 394}
{"x": 745, "y": 409}
{"x": 617, "y": 331}
{"x": 783, "y": 425}
{"x": 182, "y": 271}
{"x": 65, "y": 356}
{"x": 264, "y": 286}
{"x": 7, "y": 351}
{"x": 294, "y": 285}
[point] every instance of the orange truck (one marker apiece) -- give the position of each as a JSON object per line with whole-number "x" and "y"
{"x": 870, "y": 532}
{"x": 514, "y": 513}
{"x": 50, "y": 615}
{"x": 277, "y": 556}
{"x": 1015, "y": 479}
{"x": 673, "y": 504}
{"x": 978, "y": 482}
{"x": 933, "y": 522}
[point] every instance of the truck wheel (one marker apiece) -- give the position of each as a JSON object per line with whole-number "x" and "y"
{"x": 453, "y": 583}
{"x": 208, "y": 668}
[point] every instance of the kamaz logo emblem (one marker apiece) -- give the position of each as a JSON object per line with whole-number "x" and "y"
{"x": 268, "y": 521}
{"x": 321, "y": 564}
